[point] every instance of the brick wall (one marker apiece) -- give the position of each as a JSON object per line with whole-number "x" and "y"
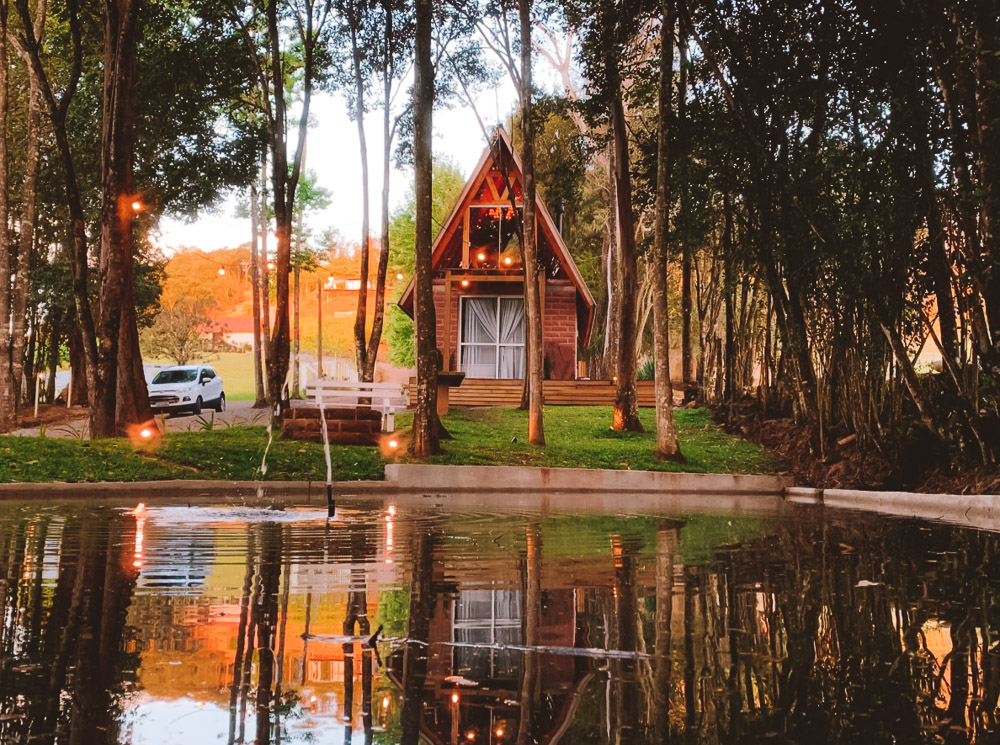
{"x": 559, "y": 321}
{"x": 559, "y": 331}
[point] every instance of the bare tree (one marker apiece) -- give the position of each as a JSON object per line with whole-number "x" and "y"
{"x": 263, "y": 37}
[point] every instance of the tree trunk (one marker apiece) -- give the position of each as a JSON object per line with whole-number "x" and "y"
{"x": 687, "y": 353}
{"x": 78, "y": 374}
{"x": 8, "y": 394}
{"x": 260, "y": 400}
{"x": 532, "y": 296}
{"x": 57, "y": 115}
{"x": 118, "y": 384}
{"x": 988, "y": 137}
{"x": 361, "y": 314}
{"x": 667, "y": 447}
{"x": 26, "y": 231}
{"x": 284, "y": 181}
{"x": 263, "y": 226}
{"x": 378, "y": 319}
{"x": 425, "y": 433}
{"x": 626, "y": 413}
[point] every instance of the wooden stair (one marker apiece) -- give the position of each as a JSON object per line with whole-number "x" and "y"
{"x": 479, "y": 392}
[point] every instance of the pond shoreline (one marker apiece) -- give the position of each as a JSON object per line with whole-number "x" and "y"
{"x": 523, "y": 488}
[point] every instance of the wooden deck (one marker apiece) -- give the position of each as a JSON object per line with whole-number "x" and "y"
{"x": 479, "y": 392}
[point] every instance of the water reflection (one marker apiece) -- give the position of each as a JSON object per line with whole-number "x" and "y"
{"x": 194, "y": 625}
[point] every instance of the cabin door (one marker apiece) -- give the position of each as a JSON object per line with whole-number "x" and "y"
{"x": 492, "y": 343}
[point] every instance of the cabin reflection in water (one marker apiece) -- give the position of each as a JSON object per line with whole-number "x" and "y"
{"x": 215, "y": 625}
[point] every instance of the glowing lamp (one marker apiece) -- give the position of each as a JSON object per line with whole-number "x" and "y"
{"x": 393, "y": 444}
{"x": 470, "y": 735}
{"x": 399, "y": 275}
{"x": 499, "y": 732}
{"x": 385, "y": 702}
{"x": 481, "y": 256}
{"x": 222, "y": 271}
{"x": 507, "y": 260}
{"x": 454, "y": 698}
{"x": 137, "y": 206}
{"x": 146, "y": 433}
{"x": 465, "y": 283}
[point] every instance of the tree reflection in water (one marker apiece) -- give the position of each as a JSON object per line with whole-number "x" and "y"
{"x": 803, "y": 627}
{"x": 65, "y": 655}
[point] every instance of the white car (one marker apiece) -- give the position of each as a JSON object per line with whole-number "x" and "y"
{"x": 187, "y": 388}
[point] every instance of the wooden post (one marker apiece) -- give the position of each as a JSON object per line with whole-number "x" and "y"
{"x": 446, "y": 365}
{"x": 69, "y": 391}
{"x": 38, "y": 390}
{"x": 466, "y": 261}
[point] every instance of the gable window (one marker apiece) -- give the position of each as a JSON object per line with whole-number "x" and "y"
{"x": 493, "y": 237}
{"x": 492, "y": 343}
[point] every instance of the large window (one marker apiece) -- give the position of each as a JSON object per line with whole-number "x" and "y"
{"x": 492, "y": 343}
{"x": 484, "y": 618}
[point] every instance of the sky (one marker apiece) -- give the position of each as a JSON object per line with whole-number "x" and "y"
{"x": 332, "y": 152}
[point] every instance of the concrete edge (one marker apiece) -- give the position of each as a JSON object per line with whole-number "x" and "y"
{"x": 313, "y": 491}
{"x": 419, "y": 477}
{"x": 978, "y": 510}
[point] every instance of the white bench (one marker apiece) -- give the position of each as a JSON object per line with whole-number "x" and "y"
{"x": 387, "y": 398}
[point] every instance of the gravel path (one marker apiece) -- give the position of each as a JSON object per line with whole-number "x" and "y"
{"x": 237, "y": 412}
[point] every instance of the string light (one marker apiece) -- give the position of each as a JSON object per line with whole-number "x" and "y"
{"x": 465, "y": 283}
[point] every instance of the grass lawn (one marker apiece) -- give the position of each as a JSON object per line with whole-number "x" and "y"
{"x": 577, "y": 437}
{"x": 580, "y": 437}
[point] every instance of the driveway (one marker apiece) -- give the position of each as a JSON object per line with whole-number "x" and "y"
{"x": 236, "y": 413}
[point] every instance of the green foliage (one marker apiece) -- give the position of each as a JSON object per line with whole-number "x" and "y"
{"x": 176, "y": 334}
{"x": 447, "y": 185}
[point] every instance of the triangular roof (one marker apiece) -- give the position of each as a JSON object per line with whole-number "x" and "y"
{"x": 499, "y": 150}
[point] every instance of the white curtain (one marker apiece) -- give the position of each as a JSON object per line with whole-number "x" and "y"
{"x": 511, "y": 333}
{"x": 492, "y": 347}
{"x": 479, "y": 337}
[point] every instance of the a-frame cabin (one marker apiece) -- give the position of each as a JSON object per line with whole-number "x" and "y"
{"x": 479, "y": 279}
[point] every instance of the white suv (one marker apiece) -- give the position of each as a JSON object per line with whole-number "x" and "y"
{"x": 187, "y": 388}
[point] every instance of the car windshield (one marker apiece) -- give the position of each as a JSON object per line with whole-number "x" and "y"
{"x": 174, "y": 376}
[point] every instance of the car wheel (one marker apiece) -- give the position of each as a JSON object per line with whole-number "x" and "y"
{"x": 196, "y": 409}
{"x": 221, "y": 405}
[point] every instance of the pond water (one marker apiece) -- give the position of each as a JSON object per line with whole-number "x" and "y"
{"x": 169, "y": 624}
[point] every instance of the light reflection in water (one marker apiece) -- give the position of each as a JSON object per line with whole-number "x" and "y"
{"x": 161, "y": 625}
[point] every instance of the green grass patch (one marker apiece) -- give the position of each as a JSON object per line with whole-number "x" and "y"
{"x": 232, "y": 454}
{"x": 577, "y": 437}
{"x": 581, "y": 437}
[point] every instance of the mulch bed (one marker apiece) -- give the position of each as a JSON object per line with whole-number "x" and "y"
{"x": 847, "y": 466}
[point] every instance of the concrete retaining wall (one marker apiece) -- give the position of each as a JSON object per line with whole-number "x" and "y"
{"x": 418, "y": 477}
{"x": 978, "y": 511}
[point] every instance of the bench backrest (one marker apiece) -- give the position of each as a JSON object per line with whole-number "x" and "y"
{"x": 386, "y": 394}
{"x": 351, "y": 385}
